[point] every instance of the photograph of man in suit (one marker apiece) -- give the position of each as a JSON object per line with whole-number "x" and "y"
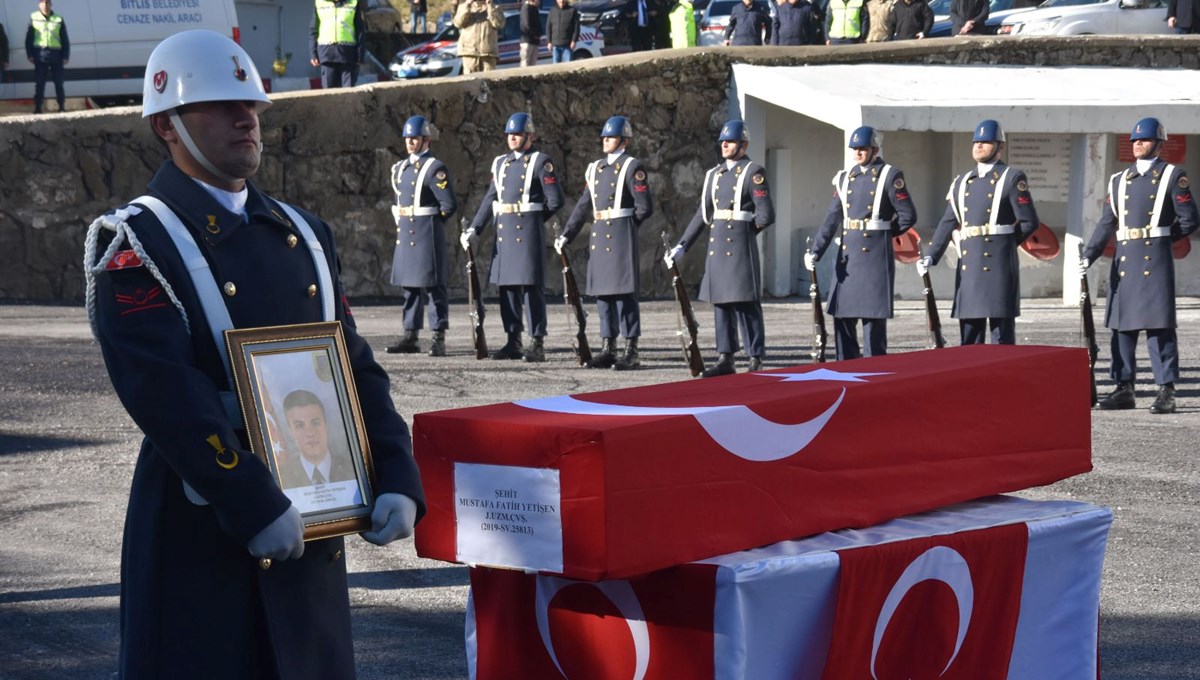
{"x": 305, "y": 416}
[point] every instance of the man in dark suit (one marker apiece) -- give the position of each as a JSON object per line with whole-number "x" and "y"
{"x": 968, "y": 16}
{"x": 305, "y": 416}
{"x": 1149, "y": 206}
{"x": 1184, "y": 16}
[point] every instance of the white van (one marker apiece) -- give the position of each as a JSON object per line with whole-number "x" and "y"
{"x": 111, "y": 42}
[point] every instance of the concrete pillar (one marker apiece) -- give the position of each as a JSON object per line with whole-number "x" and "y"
{"x": 778, "y": 273}
{"x": 1088, "y": 191}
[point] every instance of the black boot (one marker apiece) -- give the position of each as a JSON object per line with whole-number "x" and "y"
{"x": 407, "y": 344}
{"x": 755, "y": 364}
{"x": 1165, "y": 401}
{"x": 511, "y": 349}
{"x": 630, "y": 361}
{"x": 1121, "y": 399}
{"x": 535, "y": 354}
{"x": 606, "y": 358}
{"x": 437, "y": 348}
{"x": 724, "y": 366}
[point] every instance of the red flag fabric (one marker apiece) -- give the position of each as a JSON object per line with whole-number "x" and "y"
{"x": 931, "y": 608}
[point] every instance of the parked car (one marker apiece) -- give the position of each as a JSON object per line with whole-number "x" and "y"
{"x": 1086, "y": 17}
{"x": 611, "y": 17}
{"x": 382, "y": 17}
{"x": 439, "y": 56}
{"x": 941, "y": 10}
{"x": 998, "y": 11}
{"x": 716, "y": 19}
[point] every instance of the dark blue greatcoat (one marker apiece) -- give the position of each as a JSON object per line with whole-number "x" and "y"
{"x": 194, "y": 603}
{"x": 987, "y": 284}
{"x": 613, "y": 252}
{"x": 732, "y": 271}
{"x": 1141, "y": 290}
{"x": 420, "y": 259}
{"x": 518, "y": 255}
{"x": 865, "y": 272}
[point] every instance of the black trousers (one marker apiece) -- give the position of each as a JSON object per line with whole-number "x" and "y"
{"x": 748, "y": 316}
{"x": 846, "y": 336}
{"x": 1162, "y": 346}
{"x": 339, "y": 75}
{"x": 511, "y": 300}
{"x": 619, "y": 311}
{"x": 414, "y": 308}
{"x": 974, "y": 331}
{"x": 41, "y": 70}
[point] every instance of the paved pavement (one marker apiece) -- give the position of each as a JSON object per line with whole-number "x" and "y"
{"x": 67, "y": 451}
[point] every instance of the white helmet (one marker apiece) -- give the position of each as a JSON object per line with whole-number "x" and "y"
{"x": 199, "y": 66}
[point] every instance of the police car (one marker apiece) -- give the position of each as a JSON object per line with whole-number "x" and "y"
{"x": 439, "y": 57}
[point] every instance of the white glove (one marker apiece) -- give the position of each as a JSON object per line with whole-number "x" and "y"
{"x": 392, "y": 518}
{"x": 283, "y": 539}
{"x": 924, "y": 264}
{"x": 810, "y": 261}
{"x": 673, "y": 255}
{"x": 467, "y": 237}
{"x": 559, "y": 244}
{"x": 1084, "y": 263}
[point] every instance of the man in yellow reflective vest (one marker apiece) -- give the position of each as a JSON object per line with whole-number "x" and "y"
{"x": 846, "y": 22}
{"x": 335, "y": 40}
{"x": 48, "y": 49}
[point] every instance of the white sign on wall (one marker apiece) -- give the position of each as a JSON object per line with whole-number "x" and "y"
{"x": 508, "y": 516}
{"x": 1046, "y": 160}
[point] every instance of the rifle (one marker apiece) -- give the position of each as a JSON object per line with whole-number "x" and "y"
{"x": 932, "y": 320}
{"x": 475, "y": 302}
{"x": 820, "y": 335}
{"x": 1089, "y": 328}
{"x": 691, "y": 348}
{"x": 576, "y": 315}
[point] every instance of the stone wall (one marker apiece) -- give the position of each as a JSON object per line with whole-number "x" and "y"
{"x": 331, "y": 151}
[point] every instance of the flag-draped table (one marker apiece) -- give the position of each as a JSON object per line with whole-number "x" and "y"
{"x": 998, "y": 588}
{"x": 617, "y": 484}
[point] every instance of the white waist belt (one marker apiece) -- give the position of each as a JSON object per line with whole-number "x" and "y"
{"x": 399, "y": 211}
{"x": 985, "y": 230}
{"x": 869, "y": 225}
{"x": 499, "y": 208}
{"x": 734, "y": 215}
{"x": 613, "y": 214}
{"x": 1146, "y": 232}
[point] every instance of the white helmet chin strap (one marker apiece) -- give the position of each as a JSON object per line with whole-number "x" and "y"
{"x": 195, "y": 151}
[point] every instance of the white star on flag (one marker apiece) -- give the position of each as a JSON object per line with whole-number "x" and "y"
{"x": 821, "y": 374}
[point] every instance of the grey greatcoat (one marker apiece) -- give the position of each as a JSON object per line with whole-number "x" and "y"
{"x": 194, "y": 603}
{"x": 735, "y": 204}
{"x": 879, "y": 207}
{"x": 994, "y": 214}
{"x": 617, "y": 200}
{"x": 424, "y": 202}
{"x": 523, "y": 194}
{"x": 1141, "y": 290}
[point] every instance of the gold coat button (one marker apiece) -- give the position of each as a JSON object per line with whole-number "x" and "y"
{"x": 518, "y": 239}
{"x": 965, "y": 253}
{"x": 987, "y": 254}
{"x": 500, "y": 239}
{"x": 499, "y": 226}
{"x": 292, "y": 240}
{"x": 519, "y": 227}
{"x": 1146, "y": 258}
{"x": 987, "y": 269}
{"x": 608, "y": 250}
{"x": 412, "y": 231}
{"x": 312, "y": 290}
{"x": 729, "y": 254}
{"x": 987, "y": 239}
{"x": 1146, "y": 273}
{"x": 608, "y": 236}
{"x": 1122, "y": 273}
{"x": 712, "y": 239}
{"x": 712, "y": 252}
{"x": 230, "y": 289}
{"x": 594, "y": 246}
{"x": 964, "y": 267}
{"x": 866, "y": 249}
{"x": 1147, "y": 242}
{"x": 1122, "y": 258}
{"x": 412, "y": 244}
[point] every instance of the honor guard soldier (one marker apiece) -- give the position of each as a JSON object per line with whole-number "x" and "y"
{"x": 735, "y": 204}
{"x": 617, "y": 200}
{"x": 992, "y": 210}
{"x": 424, "y": 201}
{"x": 1149, "y": 206}
{"x": 871, "y": 204}
{"x": 523, "y": 194}
{"x": 203, "y": 252}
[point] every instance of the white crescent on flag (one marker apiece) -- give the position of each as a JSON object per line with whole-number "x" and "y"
{"x": 734, "y": 427}
{"x": 936, "y": 564}
{"x": 620, "y": 593}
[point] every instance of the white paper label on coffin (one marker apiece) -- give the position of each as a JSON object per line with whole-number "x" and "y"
{"x": 734, "y": 427}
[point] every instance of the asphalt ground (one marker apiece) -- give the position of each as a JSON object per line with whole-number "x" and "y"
{"x": 67, "y": 451}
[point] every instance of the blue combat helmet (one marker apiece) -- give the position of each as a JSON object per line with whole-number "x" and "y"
{"x": 989, "y": 131}
{"x": 864, "y": 137}
{"x": 416, "y": 126}
{"x": 1148, "y": 128}
{"x": 519, "y": 124}
{"x": 617, "y": 126}
{"x": 734, "y": 131}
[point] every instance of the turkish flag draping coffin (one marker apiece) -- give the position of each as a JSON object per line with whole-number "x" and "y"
{"x": 999, "y": 588}
{"x": 616, "y": 484}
